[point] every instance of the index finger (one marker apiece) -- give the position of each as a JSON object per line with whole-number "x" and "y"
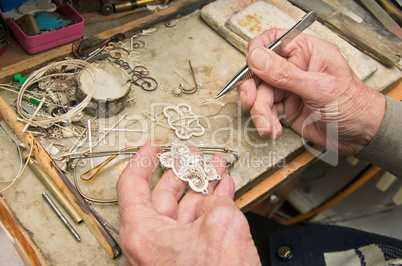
{"x": 265, "y": 38}
{"x": 248, "y": 91}
{"x": 133, "y": 185}
{"x": 303, "y": 42}
{"x": 168, "y": 191}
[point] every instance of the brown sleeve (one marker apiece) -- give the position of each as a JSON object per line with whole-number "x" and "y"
{"x": 385, "y": 150}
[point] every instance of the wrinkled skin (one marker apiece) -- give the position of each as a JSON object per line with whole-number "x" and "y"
{"x": 310, "y": 81}
{"x": 158, "y": 229}
{"x": 309, "y": 88}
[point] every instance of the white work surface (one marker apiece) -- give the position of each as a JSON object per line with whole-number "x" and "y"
{"x": 166, "y": 54}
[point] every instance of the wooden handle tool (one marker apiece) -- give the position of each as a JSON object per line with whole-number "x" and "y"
{"x": 60, "y": 180}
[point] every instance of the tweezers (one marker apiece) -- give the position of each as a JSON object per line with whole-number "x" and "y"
{"x": 245, "y": 73}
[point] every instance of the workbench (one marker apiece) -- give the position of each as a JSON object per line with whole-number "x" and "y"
{"x": 167, "y": 50}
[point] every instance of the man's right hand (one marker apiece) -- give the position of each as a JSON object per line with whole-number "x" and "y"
{"x": 310, "y": 88}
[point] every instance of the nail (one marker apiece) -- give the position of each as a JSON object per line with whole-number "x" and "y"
{"x": 61, "y": 216}
{"x": 277, "y": 129}
{"x": 259, "y": 59}
{"x": 261, "y": 130}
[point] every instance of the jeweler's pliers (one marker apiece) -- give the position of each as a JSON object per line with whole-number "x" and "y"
{"x": 245, "y": 73}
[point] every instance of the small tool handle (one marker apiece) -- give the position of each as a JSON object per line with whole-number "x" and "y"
{"x": 62, "y": 199}
{"x": 245, "y": 73}
{"x": 125, "y": 6}
{"x": 107, "y": 8}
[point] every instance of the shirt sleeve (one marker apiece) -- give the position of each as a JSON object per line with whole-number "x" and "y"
{"x": 385, "y": 150}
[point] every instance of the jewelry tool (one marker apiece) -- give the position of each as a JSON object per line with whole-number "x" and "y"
{"x": 39, "y": 153}
{"x": 61, "y": 216}
{"x": 245, "y": 73}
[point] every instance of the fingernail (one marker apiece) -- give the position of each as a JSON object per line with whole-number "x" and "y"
{"x": 243, "y": 98}
{"x": 259, "y": 59}
{"x": 261, "y": 130}
{"x": 278, "y": 129}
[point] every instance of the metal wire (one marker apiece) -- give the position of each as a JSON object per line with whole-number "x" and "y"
{"x": 131, "y": 150}
{"x": 39, "y": 75}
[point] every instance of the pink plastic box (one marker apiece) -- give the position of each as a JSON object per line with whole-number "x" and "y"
{"x": 47, "y": 40}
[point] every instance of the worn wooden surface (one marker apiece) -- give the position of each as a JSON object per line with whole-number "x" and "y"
{"x": 270, "y": 182}
{"x": 61, "y": 181}
{"x": 19, "y": 233}
{"x": 214, "y": 60}
{"x": 218, "y": 15}
{"x": 395, "y": 90}
{"x": 166, "y": 54}
{"x": 257, "y": 17}
{"x": 16, "y": 60}
{"x": 357, "y": 26}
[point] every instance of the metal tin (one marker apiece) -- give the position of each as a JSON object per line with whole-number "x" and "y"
{"x": 112, "y": 89}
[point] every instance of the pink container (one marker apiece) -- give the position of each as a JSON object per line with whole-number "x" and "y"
{"x": 47, "y": 40}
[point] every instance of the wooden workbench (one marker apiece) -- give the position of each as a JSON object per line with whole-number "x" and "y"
{"x": 16, "y": 60}
{"x": 166, "y": 53}
{"x": 214, "y": 60}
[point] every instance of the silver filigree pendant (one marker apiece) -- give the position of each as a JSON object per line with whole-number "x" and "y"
{"x": 183, "y": 121}
{"x": 189, "y": 166}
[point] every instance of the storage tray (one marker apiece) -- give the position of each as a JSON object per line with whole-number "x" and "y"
{"x": 47, "y": 40}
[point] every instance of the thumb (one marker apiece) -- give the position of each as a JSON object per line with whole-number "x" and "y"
{"x": 280, "y": 73}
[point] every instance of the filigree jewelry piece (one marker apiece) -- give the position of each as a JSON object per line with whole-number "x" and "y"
{"x": 158, "y": 118}
{"x": 189, "y": 166}
{"x": 180, "y": 90}
{"x": 58, "y": 79}
{"x": 183, "y": 121}
{"x": 136, "y": 44}
{"x": 208, "y": 100}
{"x": 139, "y": 76}
{"x": 116, "y": 50}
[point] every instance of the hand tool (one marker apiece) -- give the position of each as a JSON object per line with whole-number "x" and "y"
{"x": 61, "y": 216}
{"x": 61, "y": 198}
{"x": 60, "y": 180}
{"x": 108, "y": 8}
{"x": 382, "y": 16}
{"x": 352, "y": 22}
{"x": 245, "y": 73}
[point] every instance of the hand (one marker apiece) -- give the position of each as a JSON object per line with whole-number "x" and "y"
{"x": 164, "y": 227}
{"x": 310, "y": 88}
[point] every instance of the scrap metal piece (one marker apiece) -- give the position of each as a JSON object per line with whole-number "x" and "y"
{"x": 45, "y": 179}
{"x": 61, "y": 216}
{"x": 245, "y": 73}
{"x": 382, "y": 16}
